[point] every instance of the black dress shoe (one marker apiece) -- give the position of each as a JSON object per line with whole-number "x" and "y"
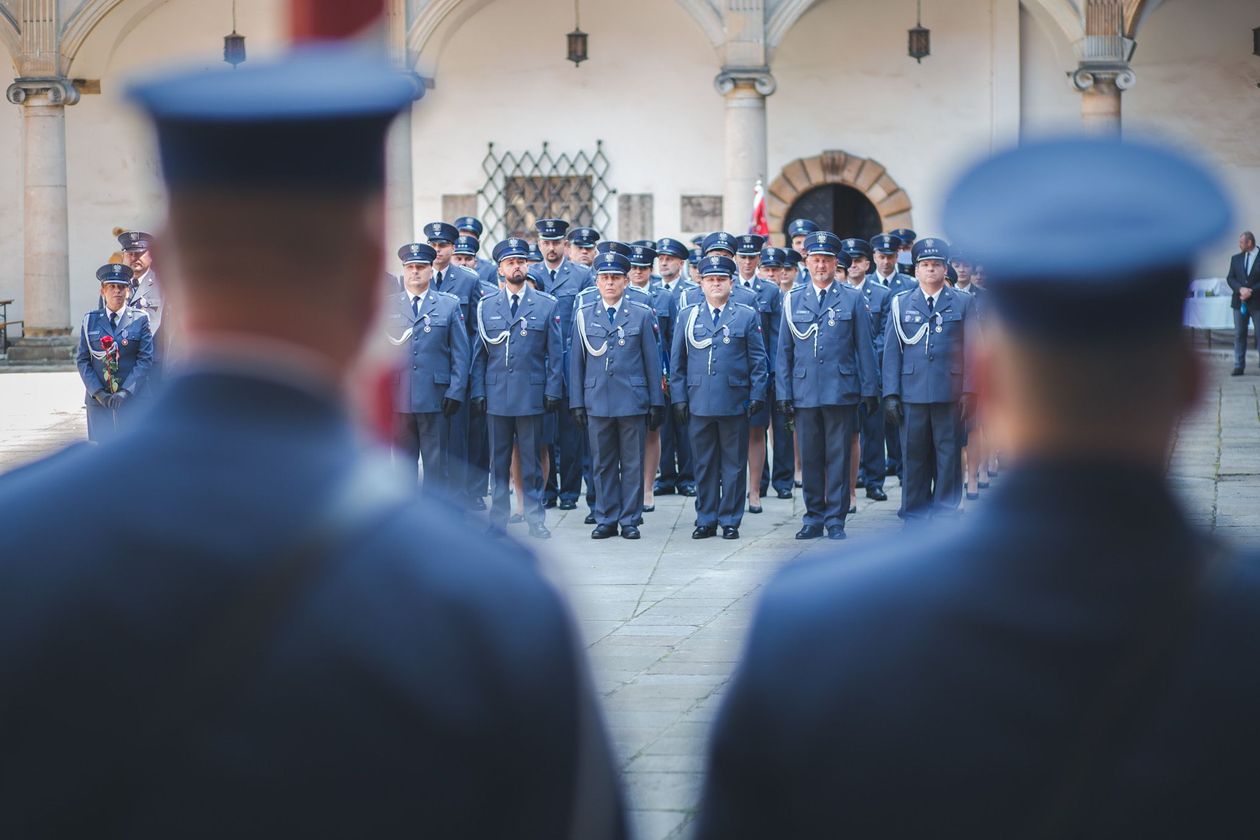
{"x": 1236, "y": 372}
{"x": 798, "y": 484}
{"x": 663, "y": 490}
{"x": 810, "y": 532}
{"x": 549, "y": 504}
{"x": 649, "y": 508}
{"x": 590, "y": 519}
{"x": 567, "y": 504}
{"x": 516, "y": 519}
{"x": 861, "y": 482}
{"x": 784, "y": 494}
{"x": 876, "y": 493}
{"x": 687, "y": 490}
{"x": 638, "y": 520}
{"x": 703, "y": 532}
{"x": 603, "y": 532}
{"x": 836, "y": 532}
{"x": 754, "y": 509}
{"x": 730, "y": 532}
{"x": 539, "y": 532}
{"x": 852, "y": 509}
{"x": 629, "y": 532}
{"x": 971, "y": 497}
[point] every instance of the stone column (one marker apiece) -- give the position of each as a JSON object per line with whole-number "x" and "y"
{"x": 46, "y": 261}
{"x": 1101, "y": 89}
{"x": 745, "y": 91}
{"x": 399, "y": 197}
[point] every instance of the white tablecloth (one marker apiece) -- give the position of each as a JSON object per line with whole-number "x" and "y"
{"x": 1209, "y": 308}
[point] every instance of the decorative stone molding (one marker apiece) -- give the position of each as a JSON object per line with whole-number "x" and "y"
{"x": 1087, "y": 76}
{"x": 759, "y": 77}
{"x": 865, "y": 175}
{"x": 59, "y": 90}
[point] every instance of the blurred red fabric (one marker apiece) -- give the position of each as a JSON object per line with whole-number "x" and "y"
{"x": 324, "y": 20}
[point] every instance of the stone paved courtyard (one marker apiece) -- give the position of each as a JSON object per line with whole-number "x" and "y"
{"x": 664, "y": 618}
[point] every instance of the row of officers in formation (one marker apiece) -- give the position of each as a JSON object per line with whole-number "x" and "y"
{"x": 645, "y": 368}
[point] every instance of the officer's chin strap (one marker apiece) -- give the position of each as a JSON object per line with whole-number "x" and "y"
{"x": 901, "y": 333}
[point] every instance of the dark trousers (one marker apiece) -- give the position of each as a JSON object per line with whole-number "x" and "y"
{"x": 617, "y": 468}
{"x": 457, "y": 443}
{"x": 527, "y": 433}
{"x": 930, "y": 443}
{"x": 567, "y": 463}
{"x": 825, "y": 435}
{"x": 1241, "y": 324}
{"x": 478, "y": 466}
{"x": 419, "y": 436}
{"x": 677, "y": 469}
{"x": 892, "y": 441}
{"x": 871, "y": 467}
{"x": 720, "y": 449}
{"x": 783, "y": 469}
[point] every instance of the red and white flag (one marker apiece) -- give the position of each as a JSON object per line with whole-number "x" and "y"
{"x": 759, "y": 225}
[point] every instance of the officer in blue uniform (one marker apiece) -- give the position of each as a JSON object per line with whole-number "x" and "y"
{"x": 782, "y": 472}
{"x": 614, "y": 383}
{"x": 798, "y": 231}
{"x": 769, "y": 306}
{"x": 721, "y": 376}
{"x": 905, "y": 254}
{"x": 676, "y": 471}
{"x": 1066, "y": 664}
{"x": 642, "y": 258}
{"x": 486, "y": 270}
{"x": 253, "y": 626}
{"x": 825, "y": 367}
{"x": 791, "y": 269}
{"x": 885, "y": 249}
{"x": 433, "y": 380}
{"x": 115, "y": 355}
{"x": 927, "y": 383}
{"x": 517, "y": 376}
{"x": 868, "y": 467}
{"x": 582, "y": 242}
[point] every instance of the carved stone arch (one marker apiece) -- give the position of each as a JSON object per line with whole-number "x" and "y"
{"x": 88, "y": 22}
{"x": 10, "y": 38}
{"x": 708, "y": 18}
{"x": 783, "y": 19}
{"x": 1064, "y": 15}
{"x": 865, "y": 175}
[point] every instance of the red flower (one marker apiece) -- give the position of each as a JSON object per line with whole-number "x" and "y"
{"x": 106, "y": 341}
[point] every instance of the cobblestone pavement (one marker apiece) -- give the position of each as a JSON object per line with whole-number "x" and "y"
{"x": 665, "y": 617}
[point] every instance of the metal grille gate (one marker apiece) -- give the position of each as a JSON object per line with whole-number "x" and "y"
{"x": 523, "y": 188}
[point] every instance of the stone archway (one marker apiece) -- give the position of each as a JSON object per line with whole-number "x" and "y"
{"x": 865, "y": 175}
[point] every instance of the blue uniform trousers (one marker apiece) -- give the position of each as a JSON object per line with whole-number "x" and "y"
{"x": 478, "y": 467}
{"x": 1241, "y": 324}
{"x": 892, "y": 440}
{"x": 617, "y": 468}
{"x": 676, "y": 462}
{"x": 526, "y": 432}
{"x": 456, "y": 444}
{"x": 930, "y": 438}
{"x": 871, "y": 468}
{"x": 720, "y": 449}
{"x": 825, "y": 435}
{"x": 420, "y": 436}
{"x": 570, "y": 452}
{"x": 783, "y": 468}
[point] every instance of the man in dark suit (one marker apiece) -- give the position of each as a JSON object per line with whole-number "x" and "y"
{"x": 1067, "y": 664}
{"x": 293, "y": 645}
{"x": 1244, "y": 279}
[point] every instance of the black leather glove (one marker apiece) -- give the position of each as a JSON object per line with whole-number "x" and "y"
{"x": 754, "y": 406}
{"x": 967, "y": 407}
{"x": 579, "y": 416}
{"x": 681, "y": 414}
{"x": 477, "y": 405}
{"x": 656, "y": 416}
{"x": 786, "y": 408}
{"x": 450, "y": 407}
{"x": 871, "y": 404}
{"x": 115, "y": 401}
{"x": 894, "y": 410}
{"x": 102, "y": 398}
{"x": 552, "y": 404}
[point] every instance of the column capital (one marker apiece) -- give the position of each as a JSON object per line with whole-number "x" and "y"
{"x": 1091, "y": 74}
{"x": 58, "y": 89}
{"x": 759, "y": 77}
{"x": 1104, "y": 59}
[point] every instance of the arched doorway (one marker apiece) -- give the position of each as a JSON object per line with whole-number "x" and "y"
{"x": 839, "y": 186}
{"x": 838, "y": 208}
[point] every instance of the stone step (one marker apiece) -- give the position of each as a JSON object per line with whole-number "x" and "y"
{"x": 30, "y": 350}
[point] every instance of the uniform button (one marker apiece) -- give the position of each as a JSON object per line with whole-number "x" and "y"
{"x": 415, "y": 367}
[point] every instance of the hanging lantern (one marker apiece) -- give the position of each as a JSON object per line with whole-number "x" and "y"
{"x": 920, "y": 38}
{"x": 234, "y": 44}
{"x": 577, "y": 39}
{"x": 1255, "y": 41}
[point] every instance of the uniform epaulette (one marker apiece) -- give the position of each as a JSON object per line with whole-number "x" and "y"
{"x": 796, "y": 289}
{"x": 744, "y": 305}
{"x": 464, "y": 269}
{"x": 906, "y": 292}
{"x": 640, "y": 303}
{"x": 450, "y": 295}
{"x": 543, "y": 294}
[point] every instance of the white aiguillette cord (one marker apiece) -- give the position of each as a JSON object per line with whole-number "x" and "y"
{"x": 901, "y": 334}
{"x": 581, "y": 324}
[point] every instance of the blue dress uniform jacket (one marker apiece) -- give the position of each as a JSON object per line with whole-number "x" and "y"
{"x": 438, "y": 358}
{"x": 951, "y": 675}
{"x": 718, "y": 380}
{"x": 487, "y": 271}
{"x": 896, "y": 284}
{"x": 134, "y": 340}
{"x": 827, "y": 353}
{"x": 423, "y": 679}
{"x": 464, "y": 284}
{"x": 626, "y": 379}
{"x": 934, "y": 369}
{"x": 519, "y": 359}
{"x": 571, "y": 278}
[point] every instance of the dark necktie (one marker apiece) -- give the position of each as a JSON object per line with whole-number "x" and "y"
{"x": 717, "y": 313}
{"x": 516, "y": 301}
{"x": 113, "y": 320}
{"x": 415, "y": 307}
{"x": 612, "y": 315}
{"x": 553, "y": 279}
{"x": 931, "y": 305}
{"x": 438, "y": 281}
